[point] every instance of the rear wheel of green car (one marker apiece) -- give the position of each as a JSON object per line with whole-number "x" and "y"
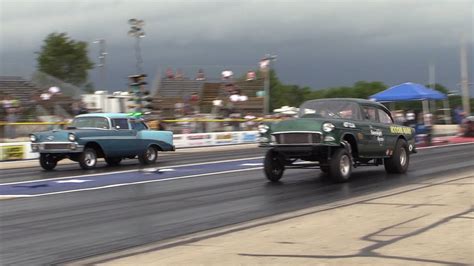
{"x": 398, "y": 163}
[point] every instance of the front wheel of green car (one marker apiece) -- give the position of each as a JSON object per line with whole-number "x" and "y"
{"x": 273, "y": 167}
{"x": 340, "y": 166}
{"x": 398, "y": 163}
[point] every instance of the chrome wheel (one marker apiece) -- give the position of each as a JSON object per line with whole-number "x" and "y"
{"x": 90, "y": 159}
{"x": 151, "y": 154}
{"x": 345, "y": 165}
{"x": 403, "y": 157}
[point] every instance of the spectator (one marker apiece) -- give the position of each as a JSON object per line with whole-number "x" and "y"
{"x": 458, "y": 115}
{"x": 250, "y": 121}
{"x": 11, "y": 107}
{"x": 411, "y": 118}
{"x": 200, "y": 75}
{"x": 169, "y": 73}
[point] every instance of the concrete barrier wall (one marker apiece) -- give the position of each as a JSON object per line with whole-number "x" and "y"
{"x": 22, "y": 150}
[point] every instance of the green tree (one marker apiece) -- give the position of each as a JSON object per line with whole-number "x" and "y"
{"x": 64, "y": 59}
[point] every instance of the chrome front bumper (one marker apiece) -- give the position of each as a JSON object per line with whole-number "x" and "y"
{"x": 57, "y": 147}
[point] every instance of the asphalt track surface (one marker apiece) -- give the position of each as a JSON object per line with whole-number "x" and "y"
{"x": 159, "y": 205}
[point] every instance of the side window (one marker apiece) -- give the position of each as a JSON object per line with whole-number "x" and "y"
{"x": 120, "y": 123}
{"x": 370, "y": 113}
{"x": 138, "y": 125}
{"x": 384, "y": 117}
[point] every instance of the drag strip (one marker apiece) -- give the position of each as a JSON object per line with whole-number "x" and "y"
{"x": 117, "y": 179}
{"x": 55, "y": 229}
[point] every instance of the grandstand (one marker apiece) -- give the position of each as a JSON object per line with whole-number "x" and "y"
{"x": 172, "y": 91}
{"x": 28, "y": 94}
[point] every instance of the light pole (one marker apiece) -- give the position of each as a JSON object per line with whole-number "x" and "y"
{"x": 464, "y": 79}
{"x": 265, "y": 67}
{"x": 136, "y": 31}
{"x": 101, "y": 65}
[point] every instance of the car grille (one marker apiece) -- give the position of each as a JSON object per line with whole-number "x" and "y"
{"x": 298, "y": 138}
{"x": 51, "y": 146}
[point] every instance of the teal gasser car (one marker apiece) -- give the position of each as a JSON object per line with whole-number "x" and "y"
{"x": 336, "y": 135}
{"x": 101, "y": 135}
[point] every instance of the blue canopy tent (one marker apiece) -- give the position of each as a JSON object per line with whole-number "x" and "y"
{"x": 407, "y": 92}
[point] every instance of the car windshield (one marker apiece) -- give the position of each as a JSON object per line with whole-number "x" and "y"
{"x": 330, "y": 109}
{"x": 90, "y": 122}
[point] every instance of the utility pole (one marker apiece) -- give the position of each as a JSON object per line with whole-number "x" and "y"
{"x": 464, "y": 78}
{"x": 265, "y": 67}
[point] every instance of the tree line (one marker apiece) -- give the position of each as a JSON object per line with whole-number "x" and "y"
{"x": 68, "y": 60}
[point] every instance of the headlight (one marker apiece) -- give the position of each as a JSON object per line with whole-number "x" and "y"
{"x": 32, "y": 138}
{"x": 263, "y": 129}
{"x": 71, "y": 137}
{"x": 328, "y": 127}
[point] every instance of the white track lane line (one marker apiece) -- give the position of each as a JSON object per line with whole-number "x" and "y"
{"x": 128, "y": 184}
{"x": 130, "y": 171}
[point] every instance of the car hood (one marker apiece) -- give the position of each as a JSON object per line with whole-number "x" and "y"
{"x": 61, "y": 135}
{"x": 298, "y": 124}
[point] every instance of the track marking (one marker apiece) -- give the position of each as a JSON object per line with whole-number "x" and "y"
{"x": 130, "y": 171}
{"x": 76, "y": 181}
{"x": 128, "y": 184}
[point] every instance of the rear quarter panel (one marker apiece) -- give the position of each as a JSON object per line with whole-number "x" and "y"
{"x": 162, "y": 138}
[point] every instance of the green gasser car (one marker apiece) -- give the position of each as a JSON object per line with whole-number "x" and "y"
{"x": 337, "y": 135}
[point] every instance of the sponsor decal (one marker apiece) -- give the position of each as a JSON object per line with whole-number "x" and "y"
{"x": 376, "y": 132}
{"x": 400, "y": 130}
{"x": 349, "y": 124}
{"x": 380, "y": 140}
{"x": 224, "y": 138}
{"x": 195, "y": 137}
{"x": 249, "y": 137}
{"x": 12, "y": 152}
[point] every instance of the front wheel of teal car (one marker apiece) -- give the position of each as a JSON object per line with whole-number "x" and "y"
{"x": 149, "y": 156}
{"x": 88, "y": 159}
{"x": 273, "y": 167}
{"x": 47, "y": 161}
{"x": 398, "y": 163}
{"x": 340, "y": 166}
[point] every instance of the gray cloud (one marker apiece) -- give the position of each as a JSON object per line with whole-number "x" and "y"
{"x": 319, "y": 43}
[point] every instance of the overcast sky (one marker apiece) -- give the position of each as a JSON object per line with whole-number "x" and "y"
{"x": 318, "y": 43}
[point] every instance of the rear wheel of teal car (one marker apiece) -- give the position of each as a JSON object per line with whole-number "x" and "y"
{"x": 273, "y": 167}
{"x": 398, "y": 163}
{"x": 149, "y": 156}
{"x": 88, "y": 159}
{"x": 340, "y": 166}
{"x": 48, "y": 161}
{"x": 112, "y": 161}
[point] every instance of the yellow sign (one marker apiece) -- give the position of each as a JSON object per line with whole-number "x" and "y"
{"x": 400, "y": 130}
{"x": 11, "y": 152}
